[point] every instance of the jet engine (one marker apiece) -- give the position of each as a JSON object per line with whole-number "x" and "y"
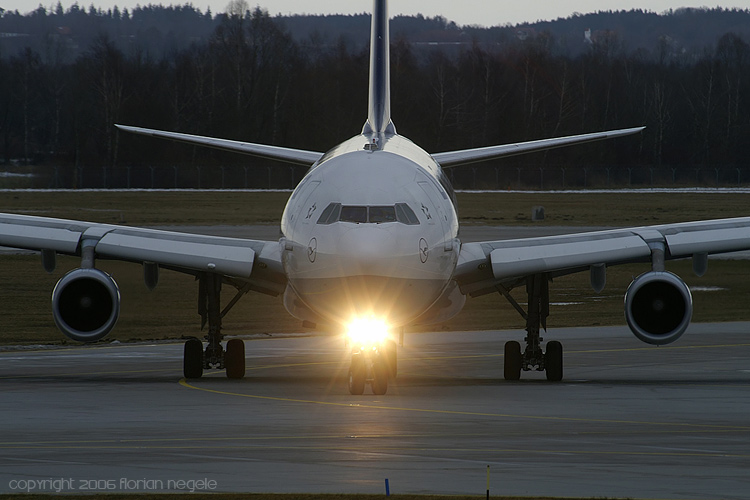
{"x": 658, "y": 307}
{"x": 86, "y": 304}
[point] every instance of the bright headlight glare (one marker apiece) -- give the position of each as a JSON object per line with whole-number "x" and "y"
{"x": 367, "y": 331}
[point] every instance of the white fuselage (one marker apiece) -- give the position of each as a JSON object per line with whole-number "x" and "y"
{"x": 370, "y": 231}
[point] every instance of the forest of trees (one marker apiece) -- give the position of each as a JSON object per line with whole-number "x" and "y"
{"x": 244, "y": 75}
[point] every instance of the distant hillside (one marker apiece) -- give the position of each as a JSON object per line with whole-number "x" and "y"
{"x": 680, "y": 31}
{"x": 683, "y": 29}
{"x": 158, "y": 30}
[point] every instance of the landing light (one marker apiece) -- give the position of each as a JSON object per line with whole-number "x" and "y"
{"x": 367, "y": 332}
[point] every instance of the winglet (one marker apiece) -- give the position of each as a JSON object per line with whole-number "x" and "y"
{"x": 379, "y": 113}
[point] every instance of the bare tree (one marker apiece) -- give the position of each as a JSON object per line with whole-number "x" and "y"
{"x": 107, "y": 79}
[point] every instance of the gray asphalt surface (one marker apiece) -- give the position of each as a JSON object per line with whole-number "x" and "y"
{"x": 629, "y": 420}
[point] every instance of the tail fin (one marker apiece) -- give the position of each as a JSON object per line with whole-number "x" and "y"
{"x": 379, "y": 114}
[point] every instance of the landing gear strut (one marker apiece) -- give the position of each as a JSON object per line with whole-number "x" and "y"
{"x": 374, "y": 355}
{"x": 533, "y": 358}
{"x": 374, "y": 365}
{"x": 214, "y": 357}
{"x": 371, "y": 367}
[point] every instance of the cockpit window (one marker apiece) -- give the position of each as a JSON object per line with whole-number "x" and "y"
{"x": 336, "y": 212}
{"x": 330, "y": 214}
{"x": 406, "y": 215}
{"x": 382, "y": 214}
{"x": 353, "y": 214}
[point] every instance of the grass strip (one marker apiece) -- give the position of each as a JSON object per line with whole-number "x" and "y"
{"x": 614, "y": 209}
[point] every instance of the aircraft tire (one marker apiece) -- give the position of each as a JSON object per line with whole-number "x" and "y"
{"x": 234, "y": 359}
{"x": 381, "y": 371}
{"x": 513, "y": 360}
{"x": 192, "y": 361}
{"x": 357, "y": 375}
{"x": 391, "y": 358}
{"x": 553, "y": 361}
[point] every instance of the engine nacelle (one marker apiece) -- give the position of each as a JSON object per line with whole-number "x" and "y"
{"x": 86, "y": 304}
{"x": 658, "y": 307}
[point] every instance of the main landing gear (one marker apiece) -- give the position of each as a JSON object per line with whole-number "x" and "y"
{"x": 231, "y": 359}
{"x": 533, "y": 358}
{"x": 373, "y": 365}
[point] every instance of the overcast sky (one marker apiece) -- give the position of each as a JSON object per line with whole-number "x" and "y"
{"x": 482, "y": 12}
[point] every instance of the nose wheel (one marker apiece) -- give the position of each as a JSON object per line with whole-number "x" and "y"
{"x": 373, "y": 368}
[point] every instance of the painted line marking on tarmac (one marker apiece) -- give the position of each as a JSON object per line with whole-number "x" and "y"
{"x": 396, "y": 450}
{"x": 77, "y": 351}
{"x": 187, "y": 385}
{"x": 80, "y": 374}
{"x": 257, "y": 441}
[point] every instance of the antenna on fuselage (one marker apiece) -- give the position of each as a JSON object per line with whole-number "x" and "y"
{"x": 379, "y": 113}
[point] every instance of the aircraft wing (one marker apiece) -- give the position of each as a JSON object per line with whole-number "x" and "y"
{"x": 253, "y": 261}
{"x": 483, "y": 265}
{"x": 274, "y": 152}
{"x": 455, "y": 158}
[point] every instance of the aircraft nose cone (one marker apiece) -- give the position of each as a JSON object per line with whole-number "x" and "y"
{"x": 369, "y": 249}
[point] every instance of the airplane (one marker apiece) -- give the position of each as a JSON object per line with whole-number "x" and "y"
{"x": 370, "y": 245}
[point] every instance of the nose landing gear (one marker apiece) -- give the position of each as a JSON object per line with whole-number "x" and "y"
{"x": 373, "y": 366}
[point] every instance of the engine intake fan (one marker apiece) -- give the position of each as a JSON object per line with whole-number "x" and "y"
{"x": 658, "y": 307}
{"x": 86, "y": 304}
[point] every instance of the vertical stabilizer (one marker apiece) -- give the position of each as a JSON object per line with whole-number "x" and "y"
{"x": 379, "y": 114}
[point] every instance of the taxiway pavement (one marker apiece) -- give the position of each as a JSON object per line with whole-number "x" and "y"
{"x": 629, "y": 420}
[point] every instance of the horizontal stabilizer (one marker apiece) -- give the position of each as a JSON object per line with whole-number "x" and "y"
{"x": 455, "y": 158}
{"x": 273, "y": 152}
